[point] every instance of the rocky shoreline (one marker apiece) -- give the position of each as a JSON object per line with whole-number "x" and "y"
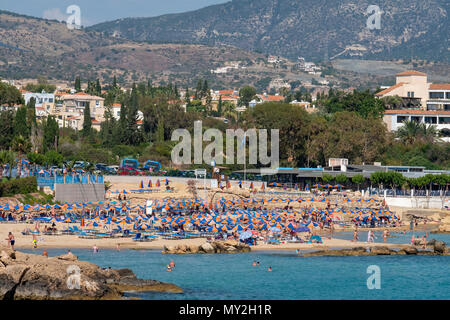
{"x": 33, "y": 277}
{"x": 228, "y": 246}
{"x": 438, "y": 248}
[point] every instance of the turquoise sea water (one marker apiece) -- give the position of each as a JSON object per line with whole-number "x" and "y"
{"x": 396, "y": 237}
{"x": 232, "y": 276}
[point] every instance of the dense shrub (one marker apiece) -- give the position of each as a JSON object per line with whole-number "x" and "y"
{"x": 12, "y": 187}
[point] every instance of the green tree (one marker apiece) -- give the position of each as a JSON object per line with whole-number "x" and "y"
{"x": 20, "y": 122}
{"x": 219, "y": 106}
{"x": 87, "y": 121}
{"x": 358, "y": 179}
{"x": 341, "y": 179}
{"x": 77, "y": 84}
{"x": 6, "y": 128}
{"x": 160, "y": 131}
{"x": 246, "y": 94}
{"x": 327, "y": 178}
{"x": 10, "y": 95}
{"x": 98, "y": 87}
{"x": 51, "y": 134}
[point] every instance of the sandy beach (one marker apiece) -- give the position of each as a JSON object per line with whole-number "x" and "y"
{"x": 73, "y": 241}
{"x": 180, "y": 191}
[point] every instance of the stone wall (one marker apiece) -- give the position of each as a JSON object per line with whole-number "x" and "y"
{"x": 79, "y": 192}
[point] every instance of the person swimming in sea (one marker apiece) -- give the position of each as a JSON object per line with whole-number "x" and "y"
{"x": 169, "y": 268}
{"x": 171, "y": 264}
{"x": 270, "y": 269}
{"x": 254, "y": 264}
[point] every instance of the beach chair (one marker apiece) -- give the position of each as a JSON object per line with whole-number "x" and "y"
{"x": 273, "y": 241}
{"x": 137, "y": 237}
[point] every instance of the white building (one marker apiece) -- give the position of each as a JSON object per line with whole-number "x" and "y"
{"x": 395, "y": 119}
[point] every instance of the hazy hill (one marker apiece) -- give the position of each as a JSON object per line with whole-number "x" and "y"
{"x": 315, "y": 29}
{"x": 31, "y": 47}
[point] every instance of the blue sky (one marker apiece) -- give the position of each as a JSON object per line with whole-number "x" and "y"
{"x": 96, "y": 11}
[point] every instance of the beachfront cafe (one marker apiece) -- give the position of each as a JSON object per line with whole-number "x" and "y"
{"x": 307, "y": 177}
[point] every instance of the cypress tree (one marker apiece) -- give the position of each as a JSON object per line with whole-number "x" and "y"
{"x": 205, "y": 89}
{"x": 31, "y": 112}
{"x": 87, "y": 122}
{"x": 20, "y": 123}
{"x": 160, "y": 131}
{"x": 77, "y": 84}
{"x": 114, "y": 84}
{"x": 98, "y": 87}
{"x": 51, "y": 133}
{"x": 198, "y": 90}
{"x": 219, "y": 106}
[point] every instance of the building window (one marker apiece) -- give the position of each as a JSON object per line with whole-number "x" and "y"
{"x": 431, "y": 120}
{"x": 446, "y": 107}
{"x": 444, "y": 120}
{"x": 432, "y": 107}
{"x": 410, "y": 94}
{"x": 97, "y": 103}
{"x": 447, "y": 95}
{"x": 436, "y": 95}
{"x": 401, "y": 119}
{"x": 416, "y": 119}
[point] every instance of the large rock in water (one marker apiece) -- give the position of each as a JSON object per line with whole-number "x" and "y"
{"x": 439, "y": 247}
{"x": 207, "y": 247}
{"x": 411, "y": 250}
{"x": 30, "y": 276}
{"x": 380, "y": 250}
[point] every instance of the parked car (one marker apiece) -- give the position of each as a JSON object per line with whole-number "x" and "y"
{"x": 80, "y": 164}
{"x": 104, "y": 169}
{"x": 130, "y": 172}
{"x": 114, "y": 168}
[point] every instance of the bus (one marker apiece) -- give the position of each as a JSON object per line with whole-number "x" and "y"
{"x": 129, "y": 163}
{"x": 153, "y": 166}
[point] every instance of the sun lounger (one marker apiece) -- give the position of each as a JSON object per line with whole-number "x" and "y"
{"x": 273, "y": 241}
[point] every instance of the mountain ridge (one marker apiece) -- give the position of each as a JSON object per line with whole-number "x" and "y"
{"x": 314, "y": 29}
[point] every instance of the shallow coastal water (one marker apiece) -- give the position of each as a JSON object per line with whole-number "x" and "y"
{"x": 232, "y": 276}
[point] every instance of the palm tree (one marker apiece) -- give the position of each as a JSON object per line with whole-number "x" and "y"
{"x": 413, "y": 131}
{"x": 409, "y": 132}
{"x": 229, "y": 110}
{"x": 429, "y": 133}
{"x": 21, "y": 145}
{"x": 6, "y": 157}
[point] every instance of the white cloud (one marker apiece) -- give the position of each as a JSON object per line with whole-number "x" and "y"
{"x": 54, "y": 14}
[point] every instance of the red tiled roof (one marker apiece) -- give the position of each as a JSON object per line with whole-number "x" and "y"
{"x": 230, "y": 97}
{"x": 411, "y": 73}
{"x": 81, "y": 94}
{"x": 270, "y": 97}
{"x": 395, "y": 86}
{"x": 440, "y": 86}
{"x": 226, "y": 92}
{"x": 73, "y": 118}
{"x": 418, "y": 112}
{"x": 24, "y": 91}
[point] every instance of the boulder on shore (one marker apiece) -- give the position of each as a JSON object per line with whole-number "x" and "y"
{"x": 35, "y": 277}
{"x": 228, "y": 246}
{"x": 380, "y": 250}
{"x": 439, "y": 247}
